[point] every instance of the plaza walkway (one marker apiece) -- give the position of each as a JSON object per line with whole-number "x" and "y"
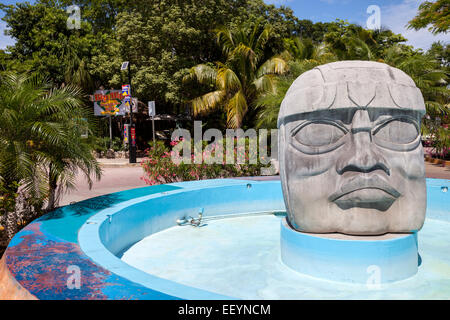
{"x": 119, "y": 175}
{"x": 437, "y": 171}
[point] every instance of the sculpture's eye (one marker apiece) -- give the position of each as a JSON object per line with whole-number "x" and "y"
{"x": 317, "y": 134}
{"x": 398, "y": 131}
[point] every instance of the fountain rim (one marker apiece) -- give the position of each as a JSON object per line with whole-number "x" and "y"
{"x": 51, "y": 242}
{"x": 92, "y": 245}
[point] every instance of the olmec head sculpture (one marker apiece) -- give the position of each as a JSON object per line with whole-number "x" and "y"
{"x": 351, "y": 159}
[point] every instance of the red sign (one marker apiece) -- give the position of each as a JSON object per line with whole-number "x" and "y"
{"x": 111, "y": 95}
{"x": 133, "y": 136}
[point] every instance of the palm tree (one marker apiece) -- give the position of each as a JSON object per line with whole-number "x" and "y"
{"x": 243, "y": 76}
{"x": 432, "y": 79}
{"x": 304, "y": 55}
{"x": 426, "y": 72}
{"x": 301, "y": 49}
{"x": 40, "y": 142}
{"x": 63, "y": 164}
{"x": 350, "y": 42}
{"x": 76, "y": 70}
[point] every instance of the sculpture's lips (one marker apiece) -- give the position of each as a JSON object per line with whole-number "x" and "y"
{"x": 364, "y": 183}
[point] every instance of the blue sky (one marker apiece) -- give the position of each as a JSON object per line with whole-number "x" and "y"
{"x": 4, "y": 40}
{"x": 394, "y": 15}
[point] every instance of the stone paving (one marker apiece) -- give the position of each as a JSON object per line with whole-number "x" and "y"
{"x": 113, "y": 179}
{"x": 437, "y": 171}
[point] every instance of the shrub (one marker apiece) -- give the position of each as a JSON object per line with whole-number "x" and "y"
{"x": 100, "y": 144}
{"x": 159, "y": 167}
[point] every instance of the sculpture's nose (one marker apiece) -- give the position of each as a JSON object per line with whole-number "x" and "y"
{"x": 362, "y": 155}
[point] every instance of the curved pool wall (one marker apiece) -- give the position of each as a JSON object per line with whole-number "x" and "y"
{"x": 128, "y": 223}
{"x": 108, "y": 234}
{"x": 93, "y": 234}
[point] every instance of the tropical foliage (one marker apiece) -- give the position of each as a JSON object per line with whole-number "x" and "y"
{"x": 436, "y": 14}
{"x": 41, "y": 148}
{"x": 344, "y": 41}
{"x": 241, "y": 77}
{"x": 428, "y": 75}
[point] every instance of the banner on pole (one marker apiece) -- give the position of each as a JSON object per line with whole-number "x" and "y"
{"x": 126, "y": 133}
{"x": 134, "y": 104}
{"x": 129, "y": 101}
{"x": 126, "y": 90}
{"x": 133, "y": 136}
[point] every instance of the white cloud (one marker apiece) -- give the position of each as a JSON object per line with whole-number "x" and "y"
{"x": 4, "y": 40}
{"x": 396, "y": 17}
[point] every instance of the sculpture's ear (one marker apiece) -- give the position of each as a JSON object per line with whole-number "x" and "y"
{"x": 282, "y": 144}
{"x": 361, "y": 93}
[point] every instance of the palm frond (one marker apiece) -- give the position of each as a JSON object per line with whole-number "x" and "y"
{"x": 38, "y": 131}
{"x": 274, "y": 65}
{"x": 201, "y": 73}
{"x": 236, "y": 109}
{"x": 225, "y": 39}
{"x": 265, "y": 84}
{"x": 227, "y": 79}
{"x": 207, "y": 102}
{"x": 243, "y": 52}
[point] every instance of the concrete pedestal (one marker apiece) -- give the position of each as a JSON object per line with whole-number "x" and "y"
{"x": 354, "y": 259}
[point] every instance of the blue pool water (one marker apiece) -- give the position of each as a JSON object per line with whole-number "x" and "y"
{"x": 240, "y": 257}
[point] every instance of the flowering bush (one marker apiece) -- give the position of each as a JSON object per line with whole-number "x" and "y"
{"x": 164, "y": 165}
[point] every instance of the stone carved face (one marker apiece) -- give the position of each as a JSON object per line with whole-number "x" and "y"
{"x": 351, "y": 159}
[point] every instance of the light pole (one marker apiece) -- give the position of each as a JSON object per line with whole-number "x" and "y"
{"x": 132, "y": 133}
{"x": 152, "y": 112}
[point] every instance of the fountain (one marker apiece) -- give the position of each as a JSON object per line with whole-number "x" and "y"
{"x": 345, "y": 219}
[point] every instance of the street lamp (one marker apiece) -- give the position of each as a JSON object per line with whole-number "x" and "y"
{"x": 132, "y": 133}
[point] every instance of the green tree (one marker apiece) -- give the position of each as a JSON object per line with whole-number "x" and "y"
{"x": 305, "y": 55}
{"x": 101, "y": 14}
{"x": 431, "y": 77}
{"x": 385, "y": 39}
{"x": 244, "y": 74}
{"x": 349, "y": 41}
{"x": 314, "y": 31}
{"x": 441, "y": 52}
{"x": 352, "y": 42}
{"x": 427, "y": 73}
{"x": 41, "y": 148}
{"x": 268, "y": 104}
{"x": 162, "y": 39}
{"x": 306, "y": 49}
{"x": 436, "y": 14}
{"x": 45, "y": 45}
{"x": 4, "y": 57}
